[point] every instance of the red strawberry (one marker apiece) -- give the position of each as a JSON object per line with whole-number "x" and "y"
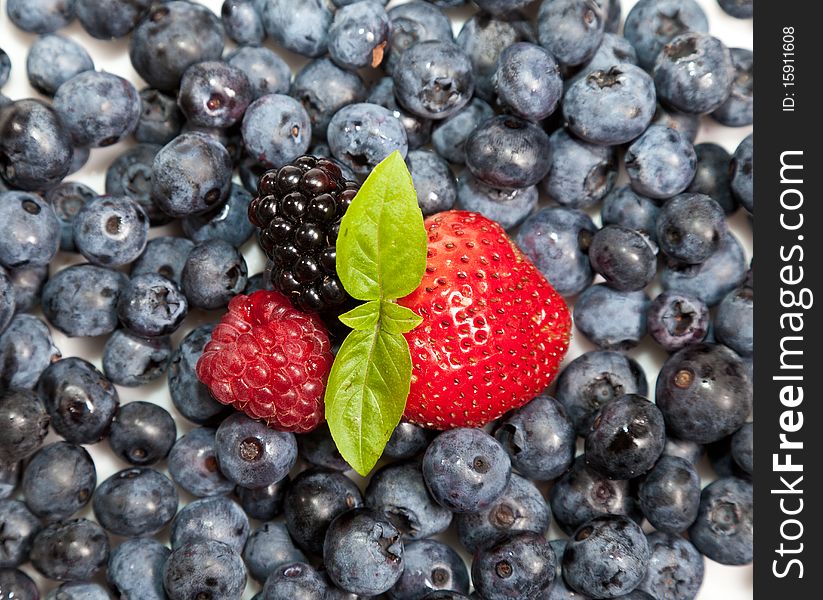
{"x": 269, "y": 360}
{"x": 494, "y": 330}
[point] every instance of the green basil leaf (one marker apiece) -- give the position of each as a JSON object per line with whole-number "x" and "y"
{"x": 366, "y": 394}
{"x": 381, "y": 247}
{"x": 398, "y": 319}
{"x": 363, "y": 317}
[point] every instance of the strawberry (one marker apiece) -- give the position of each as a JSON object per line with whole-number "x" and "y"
{"x": 494, "y": 331}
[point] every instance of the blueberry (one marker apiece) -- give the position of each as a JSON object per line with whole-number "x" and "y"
{"x": 9, "y": 478}
{"x": 406, "y": 441}
{"x": 294, "y": 581}
{"x": 301, "y": 26}
{"x": 109, "y": 19}
{"x": 691, "y": 451}
{"x": 710, "y": 281}
{"x": 466, "y": 470}
{"x": 164, "y": 256}
{"x": 676, "y": 320}
{"x": 81, "y": 299}
{"x": 193, "y": 464}
{"x": 362, "y": 135}
{"x": 135, "y": 567}
{"x": 267, "y": 548}
{"x": 110, "y": 231}
{"x": 433, "y": 181}
{"x": 251, "y": 454}
{"x": 318, "y": 448}
{"x": 66, "y": 199}
{"x": 617, "y": 537}
{"x": 651, "y": 24}
{"x": 742, "y": 172}
{"x": 704, "y": 393}
{"x": 412, "y": 23}
{"x": 70, "y": 550}
{"x": 190, "y": 397}
{"x": 520, "y": 509}
{"x": 263, "y": 503}
{"x": 228, "y": 222}
{"x": 429, "y": 565}
{"x": 675, "y": 568}
{"x": 539, "y": 438}
{"x": 508, "y": 152}
{"x": 694, "y": 73}
{"x": 7, "y": 300}
{"x": 581, "y": 174}
{"x": 690, "y": 228}
{"x": 624, "y": 207}
{"x": 135, "y": 502}
{"x": 35, "y": 145}
{"x": 669, "y": 494}
{"x": 323, "y": 88}
{"x": 32, "y": 230}
{"x": 215, "y": 271}
{"x": 508, "y": 207}
{"x": 449, "y": 137}
{"x": 448, "y": 594}
{"x": 98, "y": 108}
{"x": 483, "y": 37}
{"x": 206, "y": 568}
{"x": 522, "y": 566}
{"x": 15, "y": 584}
{"x": 724, "y": 527}
{"x": 275, "y": 146}
{"x": 624, "y": 257}
{"x": 418, "y": 129}
{"x": 171, "y": 37}
{"x": 738, "y": 109}
{"x": 242, "y": 22}
{"x": 160, "y": 118}
{"x": 54, "y": 59}
{"x": 313, "y": 500}
{"x": 613, "y": 50}
{"x": 434, "y": 79}
{"x": 79, "y": 399}
{"x": 571, "y": 29}
{"x": 359, "y": 35}
{"x": 19, "y": 526}
{"x": 5, "y": 66}
{"x": 151, "y": 305}
{"x": 142, "y": 433}
{"x": 557, "y": 241}
{"x": 661, "y": 163}
{"x": 58, "y": 481}
{"x": 130, "y": 175}
{"x": 712, "y": 176}
{"x": 190, "y": 175}
{"x": 733, "y": 323}
{"x": 528, "y": 81}
{"x": 214, "y": 94}
{"x": 28, "y": 283}
{"x": 739, "y": 9}
{"x": 742, "y": 447}
{"x": 611, "y": 319}
{"x": 216, "y": 518}
{"x": 363, "y": 553}
{"x": 41, "y": 16}
{"x": 399, "y": 492}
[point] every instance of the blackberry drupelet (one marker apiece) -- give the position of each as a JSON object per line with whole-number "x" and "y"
{"x": 298, "y": 210}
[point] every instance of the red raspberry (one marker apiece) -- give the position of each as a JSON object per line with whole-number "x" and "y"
{"x": 269, "y": 360}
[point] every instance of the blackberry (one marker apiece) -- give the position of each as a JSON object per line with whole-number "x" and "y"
{"x": 298, "y": 210}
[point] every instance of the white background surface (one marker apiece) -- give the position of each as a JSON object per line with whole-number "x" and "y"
{"x": 721, "y": 582}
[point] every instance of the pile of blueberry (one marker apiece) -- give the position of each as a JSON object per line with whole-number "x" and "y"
{"x": 527, "y": 116}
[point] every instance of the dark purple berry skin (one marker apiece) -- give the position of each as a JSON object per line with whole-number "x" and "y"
{"x": 584, "y": 568}
{"x": 70, "y": 550}
{"x": 520, "y": 509}
{"x": 35, "y": 145}
{"x": 54, "y": 59}
{"x": 624, "y": 257}
{"x": 131, "y": 360}
{"x": 661, "y": 162}
{"x": 690, "y": 228}
{"x": 205, "y": 568}
{"x": 216, "y": 518}
{"x": 242, "y": 22}
{"x": 135, "y": 568}
{"x": 135, "y": 502}
{"x": 571, "y": 30}
{"x": 41, "y": 16}
{"x": 214, "y": 94}
{"x": 214, "y": 273}
{"x": 193, "y": 465}
{"x": 430, "y": 565}
{"x": 15, "y": 584}
{"x": 723, "y": 530}
{"x": 712, "y": 176}
{"x": 651, "y": 24}
{"x": 676, "y": 320}
{"x": 58, "y": 481}
{"x": 323, "y": 88}
{"x": 318, "y": 448}
{"x": 675, "y": 570}
{"x": 669, "y": 494}
{"x": 160, "y": 118}
{"x": 171, "y": 37}
{"x": 611, "y": 319}
{"x": 265, "y": 503}
{"x": 19, "y": 526}
{"x": 734, "y": 324}
{"x": 298, "y": 210}
{"x": 26, "y": 424}
{"x": 269, "y": 547}
{"x": 704, "y": 393}
{"x": 142, "y": 433}
{"x": 295, "y": 580}
{"x": 111, "y": 231}
{"x": 522, "y": 566}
